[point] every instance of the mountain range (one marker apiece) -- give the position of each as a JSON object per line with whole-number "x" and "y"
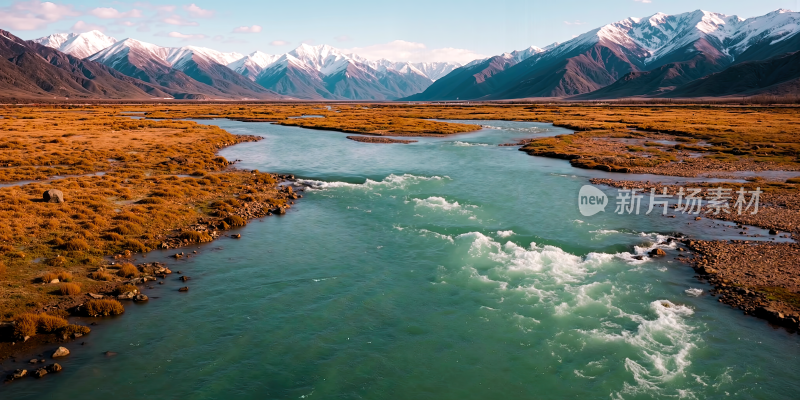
{"x": 307, "y": 72}
{"x": 683, "y": 55}
{"x": 694, "y": 54}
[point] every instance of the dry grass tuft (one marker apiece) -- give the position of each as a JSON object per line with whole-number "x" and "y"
{"x": 127, "y": 270}
{"x": 127, "y": 288}
{"x": 101, "y": 276}
{"x": 70, "y": 289}
{"x": 103, "y": 307}
{"x": 48, "y": 277}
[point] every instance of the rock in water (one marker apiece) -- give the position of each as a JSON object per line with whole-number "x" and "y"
{"x": 20, "y": 373}
{"x": 53, "y": 196}
{"x": 61, "y": 352}
{"x": 140, "y": 297}
{"x": 40, "y": 372}
{"x": 657, "y": 253}
{"x": 184, "y": 289}
{"x": 55, "y": 367}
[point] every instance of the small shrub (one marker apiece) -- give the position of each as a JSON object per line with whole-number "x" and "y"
{"x": 25, "y": 325}
{"x": 127, "y": 270}
{"x": 70, "y": 289}
{"x": 114, "y": 236}
{"x": 793, "y": 180}
{"x": 50, "y": 324}
{"x": 75, "y": 330}
{"x": 235, "y": 220}
{"x": 48, "y": 277}
{"x": 76, "y": 244}
{"x": 2, "y": 269}
{"x": 127, "y": 288}
{"x": 100, "y": 276}
{"x": 64, "y": 276}
{"x": 135, "y": 245}
{"x": 150, "y": 200}
{"x": 103, "y": 307}
{"x": 195, "y": 236}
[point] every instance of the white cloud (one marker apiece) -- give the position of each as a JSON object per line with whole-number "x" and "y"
{"x": 178, "y": 20}
{"x": 81, "y": 26}
{"x": 643, "y": 1}
{"x": 113, "y": 13}
{"x": 185, "y": 36}
{"x": 401, "y": 50}
{"x": 198, "y": 12}
{"x": 248, "y": 29}
{"x": 278, "y": 43}
{"x": 33, "y": 14}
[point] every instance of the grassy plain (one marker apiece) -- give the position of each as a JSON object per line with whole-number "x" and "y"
{"x": 129, "y": 186}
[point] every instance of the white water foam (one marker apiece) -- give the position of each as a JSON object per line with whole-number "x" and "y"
{"x": 693, "y": 292}
{"x": 505, "y": 234}
{"x": 390, "y": 182}
{"x": 466, "y": 144}
{"x": 548, "y": 283}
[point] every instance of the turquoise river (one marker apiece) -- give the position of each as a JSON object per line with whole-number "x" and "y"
{"x": 450, "y": 268}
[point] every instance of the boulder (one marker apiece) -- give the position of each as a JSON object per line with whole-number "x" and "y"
{"x": 96, "y": 296}
{"x": 20, "y": 373}
{"x": 140, "y": 297}
{"x": 53, "y": 196}
{"x": 773, "y": 232}
{"x": 61, "y": 352}
{"x": 126, "y": 296}
{"x": 55, "y": 281}
{"x": 657, "y": 253}
{"x": 40, "y": 372}
{"x": 184, "y": 289}
{"x": 55, "y": 367}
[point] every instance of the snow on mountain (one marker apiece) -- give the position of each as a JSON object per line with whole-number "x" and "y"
{"x": 252, "y": 64}
{"x": 55, "y": 40}
{"x": 660, "y": 34}
{"x": 117, "y": 52}
{"x": 516, "y": 56}
{"x": 179, "y": 55}
{"x": 175, "y": 57}
{"x": 80, "y": 45}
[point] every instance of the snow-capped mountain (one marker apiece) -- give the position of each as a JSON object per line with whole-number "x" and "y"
{"x": 194, "y": 69}
{"x": 659, "y": 35}
{"x": 710, "y": 42}
{"x": 305, "y": 72}
{"x": 252, "y": 64}
{"x": 80, "y": 45}
{"x": 323, "y": 71}
{"x": 515, "y": 56}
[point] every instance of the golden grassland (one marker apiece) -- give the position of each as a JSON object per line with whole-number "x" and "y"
{"x": 161, "y": 177}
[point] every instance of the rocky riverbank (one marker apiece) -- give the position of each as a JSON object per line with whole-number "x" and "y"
{"x": 760, "y": 277}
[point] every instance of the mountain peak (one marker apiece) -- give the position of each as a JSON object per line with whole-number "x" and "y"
{"x": 80, "y": 45}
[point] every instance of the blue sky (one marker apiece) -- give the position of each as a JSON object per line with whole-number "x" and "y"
{"x": 414, "y": 30}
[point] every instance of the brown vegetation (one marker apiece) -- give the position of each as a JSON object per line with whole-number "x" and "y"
{"x": 125, "y": 192}
{"x": 103, "y": 307}
{"x": 70, "y": 289}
